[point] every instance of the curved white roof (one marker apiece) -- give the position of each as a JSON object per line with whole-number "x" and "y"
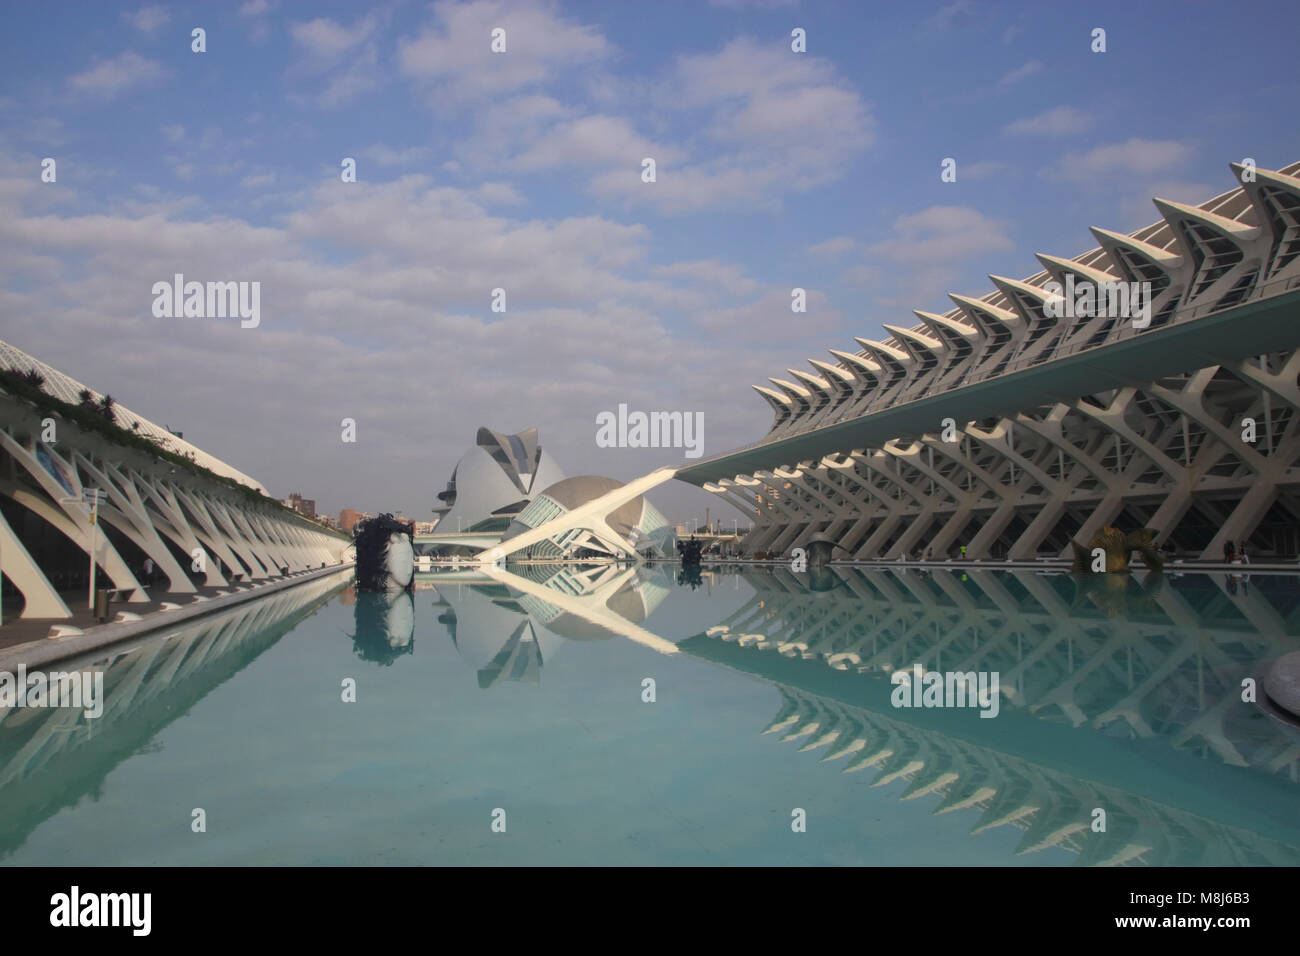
{"x": 68, "y": 389}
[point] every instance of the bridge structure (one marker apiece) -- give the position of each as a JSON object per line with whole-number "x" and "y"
{"x": 159, "y": 498}
{"x": 594, "y": 517}
{"x": 1023, "y": 419}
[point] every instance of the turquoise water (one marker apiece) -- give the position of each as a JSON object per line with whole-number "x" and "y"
{"x": 521, "y": 698}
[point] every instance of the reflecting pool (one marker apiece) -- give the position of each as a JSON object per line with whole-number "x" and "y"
{"x": 607, "y": 715}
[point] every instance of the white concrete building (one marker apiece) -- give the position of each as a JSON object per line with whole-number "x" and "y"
{"x": 1022, "y": 419}
{"x": 214, "y": 527}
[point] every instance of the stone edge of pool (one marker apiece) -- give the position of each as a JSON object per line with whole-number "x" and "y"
{"x": 51, "y": 649}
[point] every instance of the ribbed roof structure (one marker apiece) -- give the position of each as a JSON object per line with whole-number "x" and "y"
{"x": 66, "y": 388}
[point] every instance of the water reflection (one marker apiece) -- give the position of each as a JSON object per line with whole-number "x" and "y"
{"x": 51, "y": 758}
{"x": 1119, "y": 693}
{"x": 384, "y": 625}
{"x": 507, "y": 625}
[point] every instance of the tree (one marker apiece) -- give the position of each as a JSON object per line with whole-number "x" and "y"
{"x": 34, "y": 378}
{"x": 105, "y": 408}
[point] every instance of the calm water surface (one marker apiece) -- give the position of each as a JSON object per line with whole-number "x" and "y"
{"x": 522, "y": 697}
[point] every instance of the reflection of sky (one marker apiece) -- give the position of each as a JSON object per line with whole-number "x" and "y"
{"x": 411, "y": 772}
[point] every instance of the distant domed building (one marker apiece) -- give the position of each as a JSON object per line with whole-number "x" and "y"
{"x": 494, "y": 481}
{"x": 634, "y": 526}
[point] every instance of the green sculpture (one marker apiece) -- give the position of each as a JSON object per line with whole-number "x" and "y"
{"x": 1117, "y": 547}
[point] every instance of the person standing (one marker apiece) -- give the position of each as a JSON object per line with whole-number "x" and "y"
{"x": 148, "y": 570}
{"x": 1227, "y": 552}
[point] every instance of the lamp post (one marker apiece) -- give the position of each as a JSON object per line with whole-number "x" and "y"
{"x": 91, "y": 497}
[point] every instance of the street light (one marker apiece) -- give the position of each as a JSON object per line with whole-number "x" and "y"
{"x": 91, "y": 497}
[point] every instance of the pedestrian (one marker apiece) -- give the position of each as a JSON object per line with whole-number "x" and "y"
{"x": 1241, "y": 551}
{"x": 1227, "y": 552}
{"x": 148, "y": 570}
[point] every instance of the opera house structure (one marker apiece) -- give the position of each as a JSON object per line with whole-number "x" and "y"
{"x": 1151, "y": 382}
{"x": 507, "y": 487}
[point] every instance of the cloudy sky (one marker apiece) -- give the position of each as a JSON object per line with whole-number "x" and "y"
{"x": 523, "y": 171}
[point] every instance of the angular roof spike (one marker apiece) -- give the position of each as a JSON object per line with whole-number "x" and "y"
{"x": 814, "y": 381}
{"x": 909, "y": 335}
{"x": 1173, "y": 211}
{"x": 842, "y": 373}
{"x": 771, "y": 395}
{"x": 870, "y": 366}
{"x": 883, "y": 350}
{"x": 1059, "y": 267}
{"x": 955, "y": 325}
{"x": 795, "y": 391}
{"x": 1267, "y": 175}
{"x": 1107, "y": 239}
{"x": 968, "y": 305}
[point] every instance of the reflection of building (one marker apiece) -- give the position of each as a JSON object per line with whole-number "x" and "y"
{"x": 1124, "y": 696}
{"x": 1017, "y": 421}
{"x": 494, "y": 481}
{"x": 506, "y": 634}
{"x": 53, "y": 758}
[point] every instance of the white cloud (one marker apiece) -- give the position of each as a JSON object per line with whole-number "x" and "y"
{"x": 941, "y": 233}
{"x": 453, "y": 55}
{"x": 1022, "y": 72}
{"x": 833, "y": 249}
{"x": 595, "y": 140}
{"x": 725, "y": 276}
{"x": 107, "y": 78}
{"x": 775, "y": 124}
{"x": 1058, "y": 121}
{"x": 1135, "y": 155}
{"x": 327, "y": 39}
{"x": 393, "y": 321}
{"x": 752, "y": 4}
{"x": 386, "y": 156}
{"x": 346, "y": 55}
{"x": 915, "y": 265}
{"x": 770, "y": 319}
{"x": 947, "y": 16}
{"x": 984, "y": 169}
{"x": 257, "y": 180}
{"x": 257, "y": 10}
{"x": 147, "y": 19}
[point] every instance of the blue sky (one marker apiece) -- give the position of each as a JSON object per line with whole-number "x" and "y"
{"x": 521, "y": 170}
